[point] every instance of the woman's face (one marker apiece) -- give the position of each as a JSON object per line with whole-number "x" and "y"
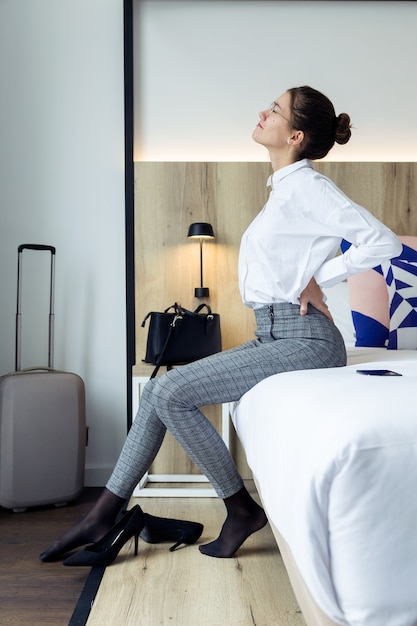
{"x": 274, "y": 128}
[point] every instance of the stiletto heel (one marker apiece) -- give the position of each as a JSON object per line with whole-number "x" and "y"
{"x": 177, "y": 545}
{"x": 160, "y": 529}
{"x": 104, "y": 551}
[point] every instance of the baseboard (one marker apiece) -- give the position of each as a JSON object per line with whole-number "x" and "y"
{"x": 97, "y": 476}
{"x": 86, "y": 599}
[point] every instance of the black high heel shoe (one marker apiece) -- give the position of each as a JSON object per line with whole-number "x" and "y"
{"x": 104, "y": 551}
{"x": 160, "y": 529}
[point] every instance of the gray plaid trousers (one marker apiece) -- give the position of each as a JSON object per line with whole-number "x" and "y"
{"x": 285, "y": 341}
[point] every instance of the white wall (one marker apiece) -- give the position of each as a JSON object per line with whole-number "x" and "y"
{"x": 62, "y": 183}
{"x": 205, "y": 69}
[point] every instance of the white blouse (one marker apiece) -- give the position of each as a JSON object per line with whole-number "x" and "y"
{"x": 298, "y": 233}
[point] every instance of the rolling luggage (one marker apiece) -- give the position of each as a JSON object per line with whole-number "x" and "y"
{"x": 42, "y": 423}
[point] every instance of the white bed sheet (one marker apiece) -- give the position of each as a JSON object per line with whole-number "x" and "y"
{"x": 335, "y": 454}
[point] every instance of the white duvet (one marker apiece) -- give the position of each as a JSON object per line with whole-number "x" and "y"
{"x": 335, "y": 454}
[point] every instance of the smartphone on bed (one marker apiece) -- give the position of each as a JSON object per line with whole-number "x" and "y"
{"x": 378, "y": 372}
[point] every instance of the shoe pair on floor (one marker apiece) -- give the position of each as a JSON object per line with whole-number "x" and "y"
{"x": 135, "y": 523}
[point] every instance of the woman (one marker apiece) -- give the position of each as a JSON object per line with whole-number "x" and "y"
{"x": 287, "y": 254}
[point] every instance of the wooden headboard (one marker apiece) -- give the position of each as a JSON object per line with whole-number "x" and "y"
{"x": 171, "y": 196}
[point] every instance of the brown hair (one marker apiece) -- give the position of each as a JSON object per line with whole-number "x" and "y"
{"x": 314, "y": 114}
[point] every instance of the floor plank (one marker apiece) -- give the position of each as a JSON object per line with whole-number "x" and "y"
{"x": 32, "y": 592}
{"x": 158, "y": 587}
{"x": 185, "y": 588}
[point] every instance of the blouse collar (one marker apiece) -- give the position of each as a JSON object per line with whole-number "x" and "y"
{"x": 277, "y": 176}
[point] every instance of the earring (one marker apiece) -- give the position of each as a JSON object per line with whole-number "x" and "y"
{"x": 289, "y": 140}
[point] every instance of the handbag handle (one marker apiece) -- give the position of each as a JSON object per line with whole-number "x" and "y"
{"x": 176, "y": 306}
{"x": 172, "y": 327}
{"x": 177, "y": 309}
{"x": 201, "y": 306}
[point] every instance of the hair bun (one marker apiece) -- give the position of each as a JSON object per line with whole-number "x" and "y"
{"x": 343, "y": 127}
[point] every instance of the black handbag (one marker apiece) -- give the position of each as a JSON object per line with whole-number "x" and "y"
{"x": 180, "y": 336}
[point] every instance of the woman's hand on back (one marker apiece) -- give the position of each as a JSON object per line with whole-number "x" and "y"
{"x": 313, "y": 295}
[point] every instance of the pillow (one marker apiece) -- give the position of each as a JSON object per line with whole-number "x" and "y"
{"x": 369, "y": 305}
{"x": 337, "y": 299}
{"x": 401, "y": 278}
{"x": 383, "y": 301}
{"x": 368, "y": 299}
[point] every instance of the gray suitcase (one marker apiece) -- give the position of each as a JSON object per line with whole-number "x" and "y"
{"x": 42, "y": 424}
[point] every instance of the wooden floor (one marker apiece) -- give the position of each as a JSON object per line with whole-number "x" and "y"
{"x": 158, "y": 587}
{"x": 185, "y": 588}
{"x": 32, "y": 592}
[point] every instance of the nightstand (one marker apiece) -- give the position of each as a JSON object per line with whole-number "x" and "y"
{"x": 140, "y": 376}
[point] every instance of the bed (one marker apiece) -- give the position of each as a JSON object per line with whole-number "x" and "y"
{"x": 334, "y": 457}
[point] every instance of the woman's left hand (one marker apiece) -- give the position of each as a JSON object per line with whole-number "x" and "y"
{"x": 313, "y": 295}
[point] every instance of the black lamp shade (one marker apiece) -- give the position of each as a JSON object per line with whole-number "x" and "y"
{"x": 201, "y": 230}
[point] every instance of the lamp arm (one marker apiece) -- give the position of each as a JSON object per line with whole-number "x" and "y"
{"x": 201, "y": 262}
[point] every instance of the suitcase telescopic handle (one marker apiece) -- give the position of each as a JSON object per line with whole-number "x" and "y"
{"x": 35, "y": 246}
{"x": 52, "y": 250}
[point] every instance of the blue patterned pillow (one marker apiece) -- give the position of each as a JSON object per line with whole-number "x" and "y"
{"x": 368, "y": 299}
{"x": 384, "y": 301}
{"x": 369, "y": 332}
{"x": 401, "y": 278}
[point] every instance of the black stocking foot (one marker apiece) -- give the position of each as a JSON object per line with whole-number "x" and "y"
{"x": 79, "y": 535}
{"x": 90, "y": 529}
{"x": 236, "y": 529}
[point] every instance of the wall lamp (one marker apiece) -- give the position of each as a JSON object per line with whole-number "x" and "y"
{"x": 201, "y": 230}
